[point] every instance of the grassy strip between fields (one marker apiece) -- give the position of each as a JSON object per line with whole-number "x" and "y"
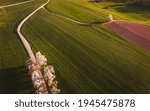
{"x": 6, "y": 2}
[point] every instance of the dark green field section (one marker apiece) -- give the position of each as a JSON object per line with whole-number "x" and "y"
{"x": 15, "y": 80}
{"x": 89, "y": 59}
{"x": 6, "y": 2}
{"x": 14, "y": 76}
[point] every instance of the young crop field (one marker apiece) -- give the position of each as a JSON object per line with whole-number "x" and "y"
{"x": 88, "y": 59}
{"x": 76, "y": 11}
{"x": 128, "y": 11}
{"x": 6, "y": 2}
{"x": 13, "y": 73}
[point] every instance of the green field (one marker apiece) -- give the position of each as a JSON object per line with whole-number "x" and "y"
{"x": 6, "y": 2}
{"x": 87, "y": 59}
{"x": 13, "y": 73}
{"x": 75, "y": 11}
{"x": 131, "y": 12}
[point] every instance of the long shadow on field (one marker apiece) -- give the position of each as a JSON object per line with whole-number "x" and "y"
{"x": 130, "y": 8}
{"x": 93, "y": 24}
{"x": 96, "y": 1}
{"x": 15, "y": 81}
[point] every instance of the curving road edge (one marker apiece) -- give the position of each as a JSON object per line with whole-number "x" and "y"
{"x": 11, "y": 5}
{"x": 22, "y": 37}
{"x": 69, "y": 19}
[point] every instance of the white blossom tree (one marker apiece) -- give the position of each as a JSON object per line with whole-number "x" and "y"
{"x": 42, "y": 74}
{"x": 41, "y": 59}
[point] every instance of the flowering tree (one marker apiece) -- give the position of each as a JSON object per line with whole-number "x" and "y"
{"x": 41, "y": 60}
{"x": 49, "y": 77}
{"x": 48, "y": 73}
{"x": 42, "y": 75}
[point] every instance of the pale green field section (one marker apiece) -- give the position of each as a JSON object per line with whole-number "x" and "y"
{"x": 76, "y": 11}
{"x": 128, "y": 11}
{"x": 6, "y": 2}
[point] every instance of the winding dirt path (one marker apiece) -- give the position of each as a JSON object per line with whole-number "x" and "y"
{"x": 11, "y": 5}
{"x": 22, "y": 37}
{"x": 138, "y": 33}
{"x": 72, "y": 20}
{"x": 77, "y": 22}
{"x": 27, "y": 45}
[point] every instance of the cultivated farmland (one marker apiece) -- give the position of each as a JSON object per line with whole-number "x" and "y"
{"x": 6, "y": 2}
{"x": 13, "y": 73}
{"x": 87, "y": 58}
{"x": 136, "y": 13}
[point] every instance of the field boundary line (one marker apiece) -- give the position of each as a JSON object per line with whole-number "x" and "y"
{"x": 77, "y": 22}
{"x": 14, "y": 4}
{"x": 72, "y": 20}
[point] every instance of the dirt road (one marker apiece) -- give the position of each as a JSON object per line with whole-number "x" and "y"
{"x": 22, "y": 37}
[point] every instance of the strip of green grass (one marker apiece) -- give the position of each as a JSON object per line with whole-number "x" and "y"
{"x": 13, "y": 73}
{"x": 6, "y": 2}
{"x": 89, "y": 59}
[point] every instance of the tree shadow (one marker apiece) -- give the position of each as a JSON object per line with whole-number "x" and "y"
{"x": 15, "y": 81}
{"x": 95, "y": 1}
{"x": 92, "y": 24}
{"x": 130, "y": 8}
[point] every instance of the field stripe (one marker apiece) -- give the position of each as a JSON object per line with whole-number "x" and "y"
{"x": 11, "y": 5}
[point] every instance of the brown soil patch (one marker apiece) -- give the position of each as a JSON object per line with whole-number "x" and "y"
{"x": 135, "y": 32}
